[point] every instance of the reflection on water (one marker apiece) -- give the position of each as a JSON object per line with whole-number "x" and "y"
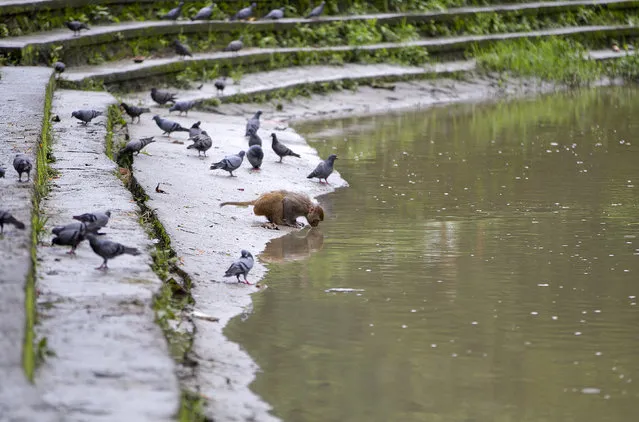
{"x": 496, "y": 247}
{"x": 295, "y": 246}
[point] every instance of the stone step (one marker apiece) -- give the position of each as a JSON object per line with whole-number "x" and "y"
{"x": 126, "y": 71}
{"x": 130, "y": 30}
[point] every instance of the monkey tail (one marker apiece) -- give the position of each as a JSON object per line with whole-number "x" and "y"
{"x": 239, "y": 204}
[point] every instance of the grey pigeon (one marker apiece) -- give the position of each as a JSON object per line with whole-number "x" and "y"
{"x": 323, "y": 169}
{"x": 7, "y": 218}
{"x": 195, "y": 129}
{"x": 281, "y": 149}
{"x": 317, "y": 11}
{"x": 2, "y": 172}
{"x": 253, "y": 124}
{"x": 134, "y": 111}
{"x": 230, "y": 163}
{"x": 168, "y": 126}
{"x": 241, "y": 267}
{"x": 244, "y": 13}
{"x": 22, "y": 164}
{"x": 220, "y": 84}
{"x": 94, "y": 220}
{"x": 108, "y": 249}
{"x": 254, "y": 139}
{"x": 204, "y": 13}
{"x": 201, "y": 142}
{"x": 70, "y": 235}
{"x": 181, "y": 49}
{"x": 255, "y": 155}
{"x": 76, "y": 26}
{"x": 85, "y": 116}
{"x": 235, "y": 46}
{"x": 275, "y": 14}
{"x": 59, "y": 67}
{"x": 173, "y": 14}
{"x": 162, "y": 97}
{"x": 183, "y": 106}
{"x": 135, "y": 146}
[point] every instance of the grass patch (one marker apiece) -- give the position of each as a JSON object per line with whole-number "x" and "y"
{"x": 554, "y": 60}
{"x": 626, "y": 67}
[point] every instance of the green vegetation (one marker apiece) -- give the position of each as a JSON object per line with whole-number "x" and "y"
{"x": 626, "y": 67}
{"x": 553, "y": 60}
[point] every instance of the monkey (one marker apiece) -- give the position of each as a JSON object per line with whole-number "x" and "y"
{"x": 282, "y": 208}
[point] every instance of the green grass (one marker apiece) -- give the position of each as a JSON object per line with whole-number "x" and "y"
{"x": 626, "y": 67}
{"x": 554, "y": 60}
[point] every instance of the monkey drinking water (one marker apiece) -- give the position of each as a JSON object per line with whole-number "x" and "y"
{"x": 282, "y": 208}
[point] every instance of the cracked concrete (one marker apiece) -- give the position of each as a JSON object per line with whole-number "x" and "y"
{"x": 111, "y": 359}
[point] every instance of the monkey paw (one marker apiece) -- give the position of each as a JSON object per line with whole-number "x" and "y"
{"x": 270, "y": 226}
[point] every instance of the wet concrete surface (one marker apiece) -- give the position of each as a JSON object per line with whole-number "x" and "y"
{"x": 22, "y": 108}
{"x": 111, "y": 359}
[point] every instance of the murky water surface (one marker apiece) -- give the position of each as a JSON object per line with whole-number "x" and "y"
{"x": 497, "y": 249}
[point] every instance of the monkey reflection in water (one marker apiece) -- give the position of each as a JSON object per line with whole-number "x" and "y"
{"x": 295, "y": 246}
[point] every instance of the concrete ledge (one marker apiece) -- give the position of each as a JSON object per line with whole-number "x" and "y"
{"x": 112, "y": 361}
{"x": 124, "y": 71}
{"x": 605, "y": 55}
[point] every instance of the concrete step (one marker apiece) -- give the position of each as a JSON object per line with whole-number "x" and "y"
{"x": 127, "y": 71}
{"x": 131, "y": 30}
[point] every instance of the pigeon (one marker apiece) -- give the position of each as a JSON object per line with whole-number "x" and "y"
{"x": 162, "y": 97}
{"x": 244, "y": 13}
{"x": 85, "y": 116}
{"x": 323, "y": 169}
{"x": 195, "y": 129}
{"x": 71, "y": 235}
{"x": 201, "y": 142}
{"x": 253, "y": 124}
{"x": 317, "y": 11}
{"x": 275, "y": 14}
{"x": 181, "y": 49}
{"x": 59, "y": 67}
{"x": 183, "y": 106}
{"x": 281, "y": 149}
{"x": 108, "y": 249}
{"x": 204, "y": 14}
{"x": 76, "y": 26}
{"x": 134, "y": 111}
{"x": 254, "y": 139}
{"x": 241, "y": 267}
{"x": 22, "y": 164}
{"x": 135, "y": 146}
{"x": 220, "y": 84}
{"x": 255, "y": 155}
{"x": 168, "y": 126}
{"x": 2, "y": 172}
{"x": 235, "y": 46}
{"x": 94, "y": 220}
{"x": 173, "y": 14}
{"x": 230, "y": 163}
{"x": 7, "y": 218}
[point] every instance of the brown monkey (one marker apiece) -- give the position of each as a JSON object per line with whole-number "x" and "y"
{"x": 282, "y": 207}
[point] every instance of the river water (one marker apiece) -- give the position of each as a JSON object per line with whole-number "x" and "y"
{"x": 496, "y": 247}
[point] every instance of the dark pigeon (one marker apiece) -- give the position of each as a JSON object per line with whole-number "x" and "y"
{"x": 2, "y": 172}
{"x": 201, "y": 142}
{"x": 235, "y": 46}
{"x": 108, "y": 249}
{"x": 85, "y": 116}
{"x": 183, "y": 106}
{"x": 22, "y": 164}
{"x": 323, "y": 169}
{"x": 94, "y": 220}
{"x": 280, "y": 149}
{"x": 230, "y": 163}
{"x": 168, "y": 126}
{"x": 254, "y": 139}
{"x": 275, "y": 14}
{"x": 7, "y": 218}
{"x": 195, "y": 129}
{"x": 181, "y": 49}
{"x": 241, "y": 267}
{"x": 135, "y": 146}
{"x": 71, "y": 235}
{"x": 255, "y": 155}
{"x": 317, "y": 11}
{"x": 134, "y": 111}
{"x": 173, "y": 14}
{"x": 76, "y": 26}
{"x": 244, "y": 13}
{"x": 253, "y": 124}
{"x": 204, "y": 14}
{"x": 220, "y": 84}
{"x": 59, "y": 67}
{"x": 162, "y": 97}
